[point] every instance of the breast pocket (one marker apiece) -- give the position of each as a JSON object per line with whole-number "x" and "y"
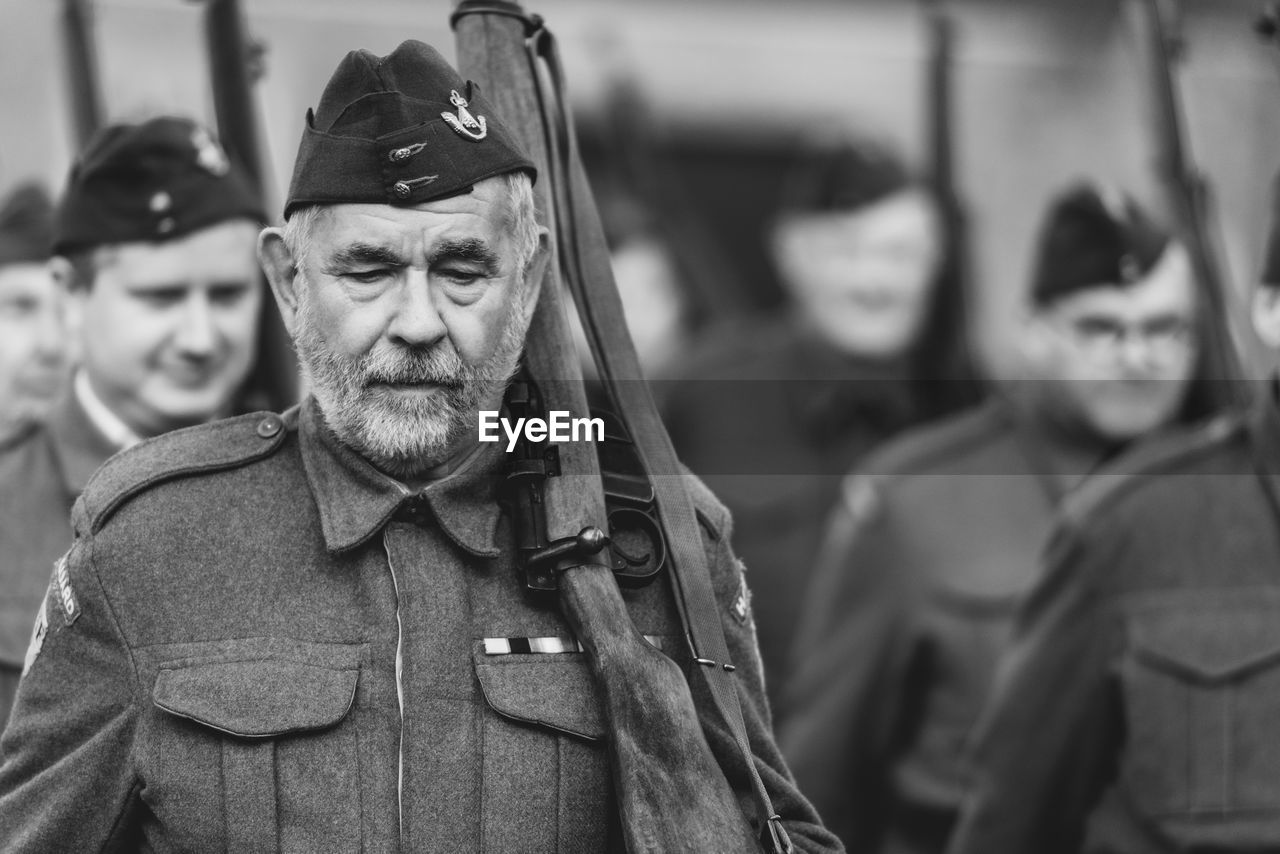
{"x": 1201, "y": 686}
{"x": 546, "y": 776}
{"x": 252, "y": 742}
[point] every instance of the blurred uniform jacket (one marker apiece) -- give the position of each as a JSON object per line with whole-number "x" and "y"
{"x": 772, "y": 419}
{"x": 1138, "y": 710}
{"x": 261, "y": 643}
{"x": 40, "y": 477}
{"x": 932, "y": 548}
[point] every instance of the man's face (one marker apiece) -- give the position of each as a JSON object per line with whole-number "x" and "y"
{"x": 1121, "y": 359}
{"x": 169, "y": 329}
{"x": 409, "y": 321}
{"x": 863, "y": 277}
{"x": 32, "y": 344}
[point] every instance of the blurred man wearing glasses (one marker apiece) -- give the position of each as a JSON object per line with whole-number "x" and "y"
{"x": 1137, "y": 709}
{"x": 939, "y": 535}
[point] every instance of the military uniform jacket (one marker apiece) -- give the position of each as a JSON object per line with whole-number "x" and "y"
{"x": 261, "y": 643}
{"x": 773, "y": 420}
{"x": 40, "y": 477}
{"x": 926, "y": 559}
{"x": 1138, "y": 711}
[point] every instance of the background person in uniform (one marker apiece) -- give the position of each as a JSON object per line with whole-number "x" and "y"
{"x": 1137, "y": 709}
{"x": 33, "y": 346}
{"x": 298, "y": 631}
{"x": 154, "y": 247}
{"x": 774, "y": 412}
{"x": 940, "y": 532}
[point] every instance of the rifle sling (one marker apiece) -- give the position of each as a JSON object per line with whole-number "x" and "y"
{"x": 588, "y": 272}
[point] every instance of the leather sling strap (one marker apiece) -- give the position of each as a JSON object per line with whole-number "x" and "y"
{"x": 586, "y": 268}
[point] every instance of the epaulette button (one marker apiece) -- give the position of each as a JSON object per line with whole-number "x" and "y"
{"x": 268, "y": 427}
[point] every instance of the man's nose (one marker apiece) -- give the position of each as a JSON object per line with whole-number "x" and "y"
{"x": 417, "y": 321}
{"x": 196, "y": 335}
{"x": 1136, "y": 351}
{"x": 51, "y": 333}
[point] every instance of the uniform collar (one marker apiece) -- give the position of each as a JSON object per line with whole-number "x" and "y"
{"x": 78, "y": 443}
{"x": 356, "y": 500}
{"x": 107, "y": 422}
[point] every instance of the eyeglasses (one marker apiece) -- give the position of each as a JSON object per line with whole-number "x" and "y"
{"x": 1163, "y": 339}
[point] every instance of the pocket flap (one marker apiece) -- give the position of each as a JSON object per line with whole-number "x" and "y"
{"x": 1208, "y": 635}
{"x": 558, "y": 693}
{"x": 259, "y": 698}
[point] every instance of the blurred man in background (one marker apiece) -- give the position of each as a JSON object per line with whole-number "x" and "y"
{"x": 33, "y": 343}
{"x": 1137, "y": 709}
{"x": 154, "y": 244}
{"x": 773, "y": 412}
{"x": 939, "y": 535}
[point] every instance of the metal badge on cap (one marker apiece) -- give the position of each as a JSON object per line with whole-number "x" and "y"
{"x": 472, "y": 127}
{"x": 209, "y": 156}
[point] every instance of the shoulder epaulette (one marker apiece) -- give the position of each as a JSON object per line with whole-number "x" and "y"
{"x": 202, "y": 449}
{"x": 920, "y": 447}
{"x": 1153, "y": 456}
{"x": 713, "y": 517}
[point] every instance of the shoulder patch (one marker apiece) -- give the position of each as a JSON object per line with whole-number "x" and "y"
{"x": 741, "y": 607}
{"x": 217, "y": 446}
{"x": 1156, "y": 455}
{"x": 37, "y": 637}
{"x": 66, "y": 594}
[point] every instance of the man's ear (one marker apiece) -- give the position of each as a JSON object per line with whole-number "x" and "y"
{"x": 534, "y": 272}
{"x": 278, "y": 263}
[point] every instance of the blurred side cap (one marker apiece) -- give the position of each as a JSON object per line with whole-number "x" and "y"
{"x": 1093, "y": 238}
{"x": 841, "y": 174}
{"x": 402, "y": 129}
{"x": 1271, "y": 263}
{"x": 154, "y": 181}
{"x": 26, "y": 226}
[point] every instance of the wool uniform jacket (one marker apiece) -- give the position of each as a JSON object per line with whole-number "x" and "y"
{"x": 40, "y": 477}
{"x": 261, "y": 643}
{"x": 1138, "y": 709}
{"x": 773, "y": 419}
{"x": 926, "y": 560}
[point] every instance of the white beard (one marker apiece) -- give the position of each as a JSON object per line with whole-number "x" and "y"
{"x": 403, "y": 435}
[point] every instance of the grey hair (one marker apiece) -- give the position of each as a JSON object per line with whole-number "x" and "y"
{"x": 521, "y": 222}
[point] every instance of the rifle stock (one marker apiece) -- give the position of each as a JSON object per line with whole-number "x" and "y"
{"x": 274, "y": 382}
{"x": 672, "y": 794}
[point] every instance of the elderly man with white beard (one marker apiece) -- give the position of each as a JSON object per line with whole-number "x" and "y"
{"x": 305, "y": 632}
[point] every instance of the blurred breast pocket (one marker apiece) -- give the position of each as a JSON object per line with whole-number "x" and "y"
{"x": 1201, "y": 691}
{"x": 546, "y": 779}
{"x": 252, "y": 744}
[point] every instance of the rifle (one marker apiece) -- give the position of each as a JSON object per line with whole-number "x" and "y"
{"x": 1189, "y": 198}
{"x": 1268, "y": 27}
{"x": 944, "y": 358}
{"x": 82, "y": 69}
{"x": 671, "y": 790}
{"x": 235, "y": 64}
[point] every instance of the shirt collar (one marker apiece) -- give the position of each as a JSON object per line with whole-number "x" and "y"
{"x": 356, "y": 500}
{"x": 80, "y": 446}
{"x": 100, "y": 415}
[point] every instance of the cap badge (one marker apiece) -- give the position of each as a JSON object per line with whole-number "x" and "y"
{"x": 209, "y": 156}
{"x": 472, "y": 127}
{"x": 1130, "y": 271}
